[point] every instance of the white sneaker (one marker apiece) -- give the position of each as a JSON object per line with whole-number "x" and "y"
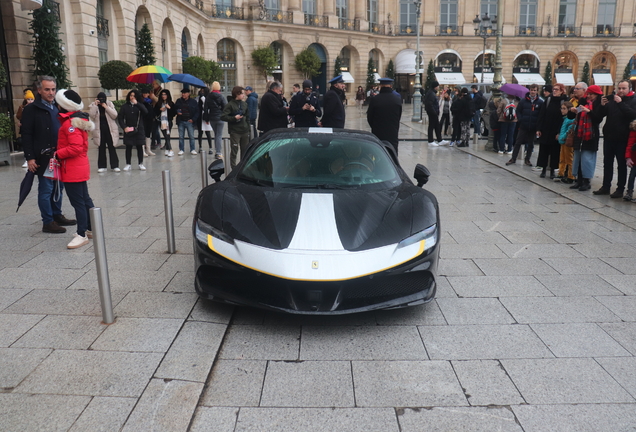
{"x": 509, "y": 152}
{"x": 142, "y": 167}
{"x": 180, "y": 152}
{"x": 78, "y": 241}
{"x": 500, "y": 152}
{"x": 166, "y": 152}
{"x": 101, "y": 170}
{"x": 433, "y": 144}
{"x": 193, "y": 152}
{"x": 116, "y": 169}
{"x": 170, "y": 153}
{"x": 25, "y": 164}
{"x": 89, "y": 234}
{"x": 127, "y": 168}
{"x": 444, "y": 143}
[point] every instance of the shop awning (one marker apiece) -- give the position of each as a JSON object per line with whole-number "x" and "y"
{"x": 450, "y": 78}
{"x": 565, "y": 79}
{"x": 489, "y": 78}
{"x": 347, "y": 77}
{"x": 529, "y": 78}
{"x": 30, "y": 4}
{"x": 603, "y": 79}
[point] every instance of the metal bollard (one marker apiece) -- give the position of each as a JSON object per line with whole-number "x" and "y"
{"x": 99, "y": 247}
{"x": 227, "y": 151}
{"x": 167, "y": 205}
{"x": 204, "y": 169}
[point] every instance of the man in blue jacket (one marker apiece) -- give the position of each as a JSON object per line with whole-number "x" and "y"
{"x": 527, "y": 120}
{"x": 252, "y": 105}
{"x": 39, "y": 129}
{"x": 187, "y": 116}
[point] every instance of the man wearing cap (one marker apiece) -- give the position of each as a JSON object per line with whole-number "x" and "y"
{"x": 305, "y": 107}
{"x": 252, "y": 105}
{"x": 384, "y": 113}
{"x": 40, "y": 126}
{"x": 333, "y": 104}
{"x": 619, "y": 110}
{"x": 187, "y": 115}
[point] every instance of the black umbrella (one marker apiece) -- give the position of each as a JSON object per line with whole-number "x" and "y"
{"x": 25, "y": 188}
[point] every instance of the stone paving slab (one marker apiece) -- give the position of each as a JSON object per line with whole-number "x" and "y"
{"x": 214, "y": 419}
{"x": 558, "y": 309}
{"x": 578, "y": 285}
{"x": 55, "y": 279}
{"x": 485, "y": 383}
{"x": 13, "y": 326}
{"x": 104, "y": 414}
{"x": 156, "y": 305}
{"x": 54, "y": 413}
{"x": 61, "y": 302}
{"x": 122, "y": 280}
{"x": 576, "y": 418}
{"x": 622, "y": 306}
{"x": 624, "y": 333}
{"x": 235, "y": 383}
{"x": 623, "y": 370}
{"x": 498, "y": 286}
{"x": 62, "y": 332}
{"x": 463, "y": 311}
{"x": 138, "y": 335}
{"x": 18, "y": 363}
{"x": 473, "y": 419}
{"x": 261, "y": 343}
{"x": 11, "y": 296}
{"x": 578, "y": 340}
{"x": 625, "y": 283}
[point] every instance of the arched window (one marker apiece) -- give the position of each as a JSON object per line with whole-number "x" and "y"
{"x": 278, "y": 50}
{"x": 103, "y": 32}
{"x": 184, "y": 46}
{"x": 345, "y": 59}
{"x": 226, "y": 58}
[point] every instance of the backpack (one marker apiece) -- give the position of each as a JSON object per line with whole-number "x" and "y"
{"x": 482, "y": 103}
{"x": 510, "y": 112}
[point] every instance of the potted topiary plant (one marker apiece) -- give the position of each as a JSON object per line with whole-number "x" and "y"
{"x": 6, "y": 135}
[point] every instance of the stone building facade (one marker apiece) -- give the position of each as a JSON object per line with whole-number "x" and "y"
{"x": 566, "y": 33}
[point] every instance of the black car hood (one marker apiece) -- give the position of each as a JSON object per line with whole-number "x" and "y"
{"x": 268, "y": 217}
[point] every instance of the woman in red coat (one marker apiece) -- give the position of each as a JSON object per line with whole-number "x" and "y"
{"x": 72, "y": 152}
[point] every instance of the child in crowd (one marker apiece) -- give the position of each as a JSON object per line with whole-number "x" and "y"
{"x": 565, "y": 162}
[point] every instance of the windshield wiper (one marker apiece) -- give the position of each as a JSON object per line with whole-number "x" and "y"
{"x": 256, "y": 182}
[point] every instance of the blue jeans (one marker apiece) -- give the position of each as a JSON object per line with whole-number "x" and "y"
{"x": 81, "y": 201}
{"x": 183, "y": 126}
{"x": 507, "y": 134}
{"x": 587, "y": 160}
{"x": 217, "y": 127}
{"x": 48, "y": 206}
{"x": 477, "y": 122}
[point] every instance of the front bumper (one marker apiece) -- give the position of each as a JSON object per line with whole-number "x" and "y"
{"x": 408, "y": 284}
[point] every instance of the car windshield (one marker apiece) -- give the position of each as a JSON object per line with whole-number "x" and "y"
{"x": 319, "y": 161}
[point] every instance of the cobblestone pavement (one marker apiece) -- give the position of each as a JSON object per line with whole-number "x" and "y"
{"x": 533, "y": 328}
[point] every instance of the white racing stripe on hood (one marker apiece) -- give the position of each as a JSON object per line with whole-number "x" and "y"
{"x": 316, "y": 227}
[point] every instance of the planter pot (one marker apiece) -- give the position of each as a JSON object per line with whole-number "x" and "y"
{"x": 5, "y": 151}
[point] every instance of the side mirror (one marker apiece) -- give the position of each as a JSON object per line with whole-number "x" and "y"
{"x": 216, "y": 170}
{"x": 421, "y": 175}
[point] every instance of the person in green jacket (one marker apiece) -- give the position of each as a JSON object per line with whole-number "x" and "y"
{"x": 236, "y": 114}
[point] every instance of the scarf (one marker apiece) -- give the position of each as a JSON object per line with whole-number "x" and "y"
{"x": 584, "y": 124}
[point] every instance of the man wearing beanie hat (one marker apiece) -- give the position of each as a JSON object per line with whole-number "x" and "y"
{"x": 40, "y": 125}
{"x": 305, "y": 107}
{"x": 72, "y": 151}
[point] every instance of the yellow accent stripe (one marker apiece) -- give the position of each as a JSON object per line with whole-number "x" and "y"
{"x": 211, "y": 246}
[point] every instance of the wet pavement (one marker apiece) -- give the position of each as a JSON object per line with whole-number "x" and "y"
{"x": 533, "y": 327}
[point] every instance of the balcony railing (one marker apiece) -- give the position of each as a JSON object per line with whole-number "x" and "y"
{"x": 347, "y": 24}
{"x": 528, "y": 31}
{"x": 568, "y": 31}
{"x": 275, "y": 15}
{"x": 607, "y": 31}
{"x": 316, "y": 20}
{"x": 229, "y": 12}
{"x": 102, "y": 26}
{"x": 55, "y": 10}
{"x": 449, "y": 30}
{"x": 377, "y": 28}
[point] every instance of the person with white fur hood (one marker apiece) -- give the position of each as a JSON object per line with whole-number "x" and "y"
{"x": 72, "y": 152}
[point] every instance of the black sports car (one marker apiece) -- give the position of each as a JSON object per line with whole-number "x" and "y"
{"x": 317, "y": 221}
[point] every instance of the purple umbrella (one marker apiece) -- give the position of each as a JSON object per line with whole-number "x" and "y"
{"x": 514, "y": 90}
{"x": 25, "y": 188}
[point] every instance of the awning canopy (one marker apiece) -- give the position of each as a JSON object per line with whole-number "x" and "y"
{"x": 565, "y": 79}
{"x": 489, "y": 78}
{"x": 347, "y": 77}
{"x": 529, "y": 78}
{"x": 603, "y": 79}
{"x": 30, "y": 4}
{"x": 405, "y": 62}
{"x": 450, "y": 78}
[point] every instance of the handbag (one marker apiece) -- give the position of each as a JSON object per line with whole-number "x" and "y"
{"x": 569, "y": 139}
{"x": 53, "y": 169}
{"x": 136, "y": 127}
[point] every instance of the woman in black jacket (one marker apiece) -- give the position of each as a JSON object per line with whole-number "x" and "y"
{"x": 165, "y": 112}
{"x": 464, "y": 113}
{"x": 131, "y": 119}
{"x": 549, "y": 127}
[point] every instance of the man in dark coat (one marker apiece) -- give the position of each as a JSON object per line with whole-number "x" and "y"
{"x": 273, "y": 113}
{"x": 252, "y": 105}
{"x": 619, "y": 110}
{"x": 478, "y": 102}
{"x": 431, "y": 106}
{"x": 305, "y": 107}
{"x": 528, "y": 112}
{"x": 384, "y": 113}
{"x": 333, "y": 104}
{"x": 40, "y": 125}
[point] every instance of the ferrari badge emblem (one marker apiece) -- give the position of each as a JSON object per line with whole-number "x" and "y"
{"x": 314, "y": 264}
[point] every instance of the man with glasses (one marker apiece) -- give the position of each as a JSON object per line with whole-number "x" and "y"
{"x": 619, "y": 110}
{"x": 273, "y": 113}
{"x": 333, "y": 104}
{"x": 40, "y": 125}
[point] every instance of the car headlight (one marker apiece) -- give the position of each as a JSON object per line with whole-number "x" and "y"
{"x": 202, "y": 230}
{"x": 429, "y": 235}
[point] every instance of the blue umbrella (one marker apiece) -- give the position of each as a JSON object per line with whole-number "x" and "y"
{"x": 187, "y": 79}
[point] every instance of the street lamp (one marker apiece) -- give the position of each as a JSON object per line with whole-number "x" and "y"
{"x": 417, "y": 96}
{"x": 483, "y": 29}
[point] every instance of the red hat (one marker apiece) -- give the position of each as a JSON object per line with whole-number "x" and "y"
{"x": 595, "y": 89}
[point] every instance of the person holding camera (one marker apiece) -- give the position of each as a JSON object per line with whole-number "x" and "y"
{"x": 305, "y": 107}
{"x": 106, "y": 134}
{"x": 236, "y": 114}
{"x": 131, "y": 119}
{"x": 619, "y": 109}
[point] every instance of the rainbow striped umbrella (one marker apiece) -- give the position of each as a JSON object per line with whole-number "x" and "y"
{"x": 147, "y": 74}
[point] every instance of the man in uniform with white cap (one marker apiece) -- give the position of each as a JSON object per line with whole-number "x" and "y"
{"x": 385, "y": 112}
{"x": 333, "y": 104}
